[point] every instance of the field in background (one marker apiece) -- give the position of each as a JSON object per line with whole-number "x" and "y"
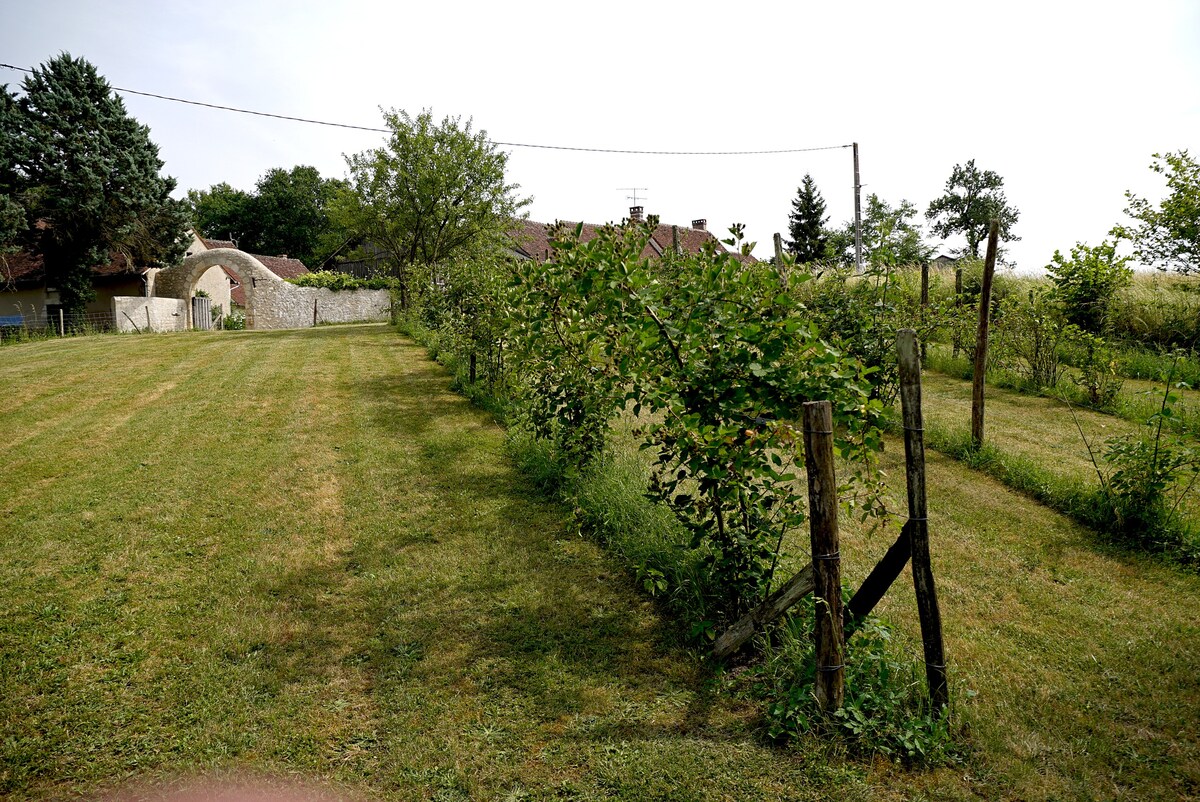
{"x": 299, "y": 552}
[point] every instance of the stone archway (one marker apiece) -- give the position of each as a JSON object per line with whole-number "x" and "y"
{"x": 180, "y": 281}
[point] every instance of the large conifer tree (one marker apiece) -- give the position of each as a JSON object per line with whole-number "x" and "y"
{"x": 89, "y": 174}
{"x": 806, "y": 224}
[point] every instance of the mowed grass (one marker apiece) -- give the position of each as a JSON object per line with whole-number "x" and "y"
{"x": 300, "y": 553}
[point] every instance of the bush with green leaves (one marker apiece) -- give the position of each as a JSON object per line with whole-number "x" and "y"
{"x": 332, "y": 280}
{"x": 1150, "y": 475}
{"x": 719, "y": 357}
{"x": 1029, "y": 337}
{"x": 1087, "y": 283}
{"x": 1098, "y": 375}
{"x": 886, "y": 708}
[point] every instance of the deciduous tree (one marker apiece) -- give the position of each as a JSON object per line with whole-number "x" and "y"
{"x": 91, "y": 175}
{"x": 973, "y": 197}
{"x": 1168, "y": 235}
{"x": 435, "y": 193}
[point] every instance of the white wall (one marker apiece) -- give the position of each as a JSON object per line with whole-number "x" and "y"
{"x": 153, "y": 314}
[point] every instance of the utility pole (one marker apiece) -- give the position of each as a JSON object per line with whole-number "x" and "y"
{"x": 858, "y": 264}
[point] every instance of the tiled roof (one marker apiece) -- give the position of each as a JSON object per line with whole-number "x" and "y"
{"x": 282, "y": 266}
{"x": 532, "y": 239}
{"x": 28, "y": 268}
{"x": 217, "y": 243}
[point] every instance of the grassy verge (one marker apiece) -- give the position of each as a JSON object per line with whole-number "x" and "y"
{"x": 299, "y": 552}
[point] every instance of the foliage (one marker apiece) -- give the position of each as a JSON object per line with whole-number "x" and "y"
{"x": 1029, "y": 336}
{"x": 332, "y": 280}
{"x": 1087, "y": 283}
{"x": 89, "y": 174}
{"x": 435, "y": 194}
{"x": 717, "y": 356}
{"x": 1098, "y": 370}
{"x": 1168, "y": 236}
{"x": 234, "y": 321}
{"x": 889, "y": 235}
{"x": 806, "y": 224}
{"x": 288, "y": 213}
{"x": 1145, "y": 485}
{"x": 973, "y": 197}
{"x": 886, "y": 708}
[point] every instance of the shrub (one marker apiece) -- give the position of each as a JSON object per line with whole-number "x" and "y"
{"x": 1087, "y": 283}
{"x": 886, "y": 708}
{"x": 331, "y": 280}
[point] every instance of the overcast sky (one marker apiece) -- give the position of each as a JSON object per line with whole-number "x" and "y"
{"x": 1066, "y": 100}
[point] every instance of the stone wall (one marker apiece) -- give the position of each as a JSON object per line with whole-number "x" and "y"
{"x": 280, "y": 305}
{"x": 153, "y": 314}
{"x": 271, "y": 302}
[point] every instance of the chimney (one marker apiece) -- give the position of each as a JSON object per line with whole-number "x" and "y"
{"x": 635, "y": 214}
{"x": 700, "y": 224}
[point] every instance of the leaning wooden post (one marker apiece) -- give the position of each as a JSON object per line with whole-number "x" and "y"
{"x": 827, "y": 574}
{"x": 981, "y": 338}
{"x": 918, "y": 518}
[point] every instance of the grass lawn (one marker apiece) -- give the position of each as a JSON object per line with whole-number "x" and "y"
{"x": 298, "y": 552}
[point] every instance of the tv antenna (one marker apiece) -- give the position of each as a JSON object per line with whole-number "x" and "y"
{"x": 634, "y": 190}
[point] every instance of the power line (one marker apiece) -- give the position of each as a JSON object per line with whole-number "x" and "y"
{"x": 494, "y": 142}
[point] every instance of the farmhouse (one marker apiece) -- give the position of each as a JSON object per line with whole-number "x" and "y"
{"x": 531, "y": 240}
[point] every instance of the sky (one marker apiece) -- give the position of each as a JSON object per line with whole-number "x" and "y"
{"x": 1067, "y": 101}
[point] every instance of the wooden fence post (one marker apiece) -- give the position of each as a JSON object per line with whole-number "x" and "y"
{"x": 957, "y": 301}
{"x": 924, "y": 301}
{"x": 827, "y": 574}
{"x": 314, "y": 311}
{"x": 981, "y": 339}
{"x": 918, "y": 518}
{"x": 62, "y": 330}
{"x": 779, "y": 268}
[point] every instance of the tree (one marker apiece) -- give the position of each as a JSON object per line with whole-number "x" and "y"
{"x": 806, "y": 224}
{"x": 1168, "y": 236}
{"x": 288, "y": 213}
{"x": 435, "y": 193}
{"x": 889, "y": 234}
{"x": 90, "y": 175}
{"x": 223, "y": 212}
{"x": 1087, "y": 283}
{"x": 973, "y": 197}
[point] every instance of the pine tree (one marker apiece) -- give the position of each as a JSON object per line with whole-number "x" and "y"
{"x": 91, "y": 177}
{"x": 806, "y": 224}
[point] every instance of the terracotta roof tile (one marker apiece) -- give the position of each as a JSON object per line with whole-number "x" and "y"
{"x": 532, "y": 239}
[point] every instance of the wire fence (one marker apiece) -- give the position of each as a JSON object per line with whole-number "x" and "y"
{"x": 54, "y": 323}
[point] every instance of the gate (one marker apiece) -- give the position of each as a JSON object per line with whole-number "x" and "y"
{"x": 202, "y": 313}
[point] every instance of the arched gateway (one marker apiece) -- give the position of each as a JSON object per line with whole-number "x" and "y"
{"x": 180, "y": 281}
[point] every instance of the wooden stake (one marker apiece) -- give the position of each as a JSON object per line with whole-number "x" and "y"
{"x": 924, "y": 301}
{"x": 827, "y": 575}
{"x": 882, "y": 576}
{"x": 779, "y": 268}
{"x": 981, "y": 339}
{"x": 62, "y": 330}
{"x": 918, "y": 517}
{"x": 776, "y": 605}
{"x": 314, "y": 311}
{"x": 957, "y": 300}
